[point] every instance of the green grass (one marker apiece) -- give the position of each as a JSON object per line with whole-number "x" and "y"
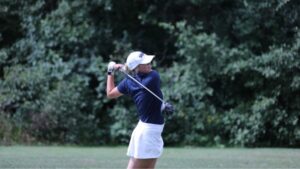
{"x": 114, "y": 157}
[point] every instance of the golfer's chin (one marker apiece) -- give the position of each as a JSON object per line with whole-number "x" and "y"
{"x": 145, "y": 71}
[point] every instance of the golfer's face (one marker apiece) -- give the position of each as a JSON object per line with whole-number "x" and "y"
{"x": 144, "y": 68}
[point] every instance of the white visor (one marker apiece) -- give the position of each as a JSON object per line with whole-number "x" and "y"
{"x": 136, "y": 58}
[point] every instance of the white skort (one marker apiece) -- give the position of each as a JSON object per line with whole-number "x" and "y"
{"x": 146, "y": 141}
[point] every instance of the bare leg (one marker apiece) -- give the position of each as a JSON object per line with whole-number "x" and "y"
{"x": 141, "y": 163}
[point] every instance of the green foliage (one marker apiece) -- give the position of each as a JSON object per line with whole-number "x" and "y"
{"x": 10, "y": 132}
{"x": 231, "y": 68}
{"x": 123, "y": 121}
{"x": 240, "y": 94}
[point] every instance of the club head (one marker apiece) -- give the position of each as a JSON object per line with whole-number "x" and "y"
{"x": 168, "y": 109}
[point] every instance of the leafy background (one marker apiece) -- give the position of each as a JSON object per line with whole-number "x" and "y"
{"x": 231, "y": 68}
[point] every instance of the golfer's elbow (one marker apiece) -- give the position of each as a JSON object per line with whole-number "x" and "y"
{"x": 109, "y": 95}
{"x": 113, "y": 94}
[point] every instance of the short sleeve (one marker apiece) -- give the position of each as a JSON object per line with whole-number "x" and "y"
{"x": 122, "y": 87}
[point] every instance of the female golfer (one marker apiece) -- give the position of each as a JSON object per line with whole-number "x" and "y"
{"x": 146, "y": 144}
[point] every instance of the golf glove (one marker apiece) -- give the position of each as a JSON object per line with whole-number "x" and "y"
{"x": 167, "y": 108}
{"x": 110, "y": 67}
{"x": 123, "y": 69}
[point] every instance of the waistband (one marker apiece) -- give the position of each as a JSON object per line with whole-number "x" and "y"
{"x": 158, "y": 127}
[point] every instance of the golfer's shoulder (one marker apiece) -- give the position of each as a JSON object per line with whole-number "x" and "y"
{"x": 154, "y": 74}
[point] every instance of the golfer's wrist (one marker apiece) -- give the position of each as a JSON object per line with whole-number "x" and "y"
{"x": 110, "y": 73}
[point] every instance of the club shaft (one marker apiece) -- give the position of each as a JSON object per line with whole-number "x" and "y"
{"x": 143, "y": 86}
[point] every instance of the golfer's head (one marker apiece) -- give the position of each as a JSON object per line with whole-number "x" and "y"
{"x": 137, "y": 58}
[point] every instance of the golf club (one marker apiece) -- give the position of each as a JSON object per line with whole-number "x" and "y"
{"x": 122, "y": 70}
{"x": 167, "y": 107}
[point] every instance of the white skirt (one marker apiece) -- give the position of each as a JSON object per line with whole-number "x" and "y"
{"x": 146, "y": 141}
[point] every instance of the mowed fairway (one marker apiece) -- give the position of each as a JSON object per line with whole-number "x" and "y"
{"x": 114, "y": 157}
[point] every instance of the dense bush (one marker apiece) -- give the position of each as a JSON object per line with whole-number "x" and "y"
{"x": 242, "y": 97}
{"x": 231, "y": 68}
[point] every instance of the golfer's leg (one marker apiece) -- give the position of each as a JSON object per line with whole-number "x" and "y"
{"x": 141, "y": 163}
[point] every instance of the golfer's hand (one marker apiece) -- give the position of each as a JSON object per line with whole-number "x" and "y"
{"x": 167, "y": 108}
{"x": 111, "y": 67}
{"x": 118, "y": 66}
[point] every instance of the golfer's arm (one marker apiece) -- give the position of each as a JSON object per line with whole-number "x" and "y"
{"x": 111, "y": 90}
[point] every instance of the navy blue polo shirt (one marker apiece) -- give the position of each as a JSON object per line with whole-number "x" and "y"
{"x": 148, "y": 106}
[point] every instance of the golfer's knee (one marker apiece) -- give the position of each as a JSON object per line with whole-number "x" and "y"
{"x": 141, "y": 163}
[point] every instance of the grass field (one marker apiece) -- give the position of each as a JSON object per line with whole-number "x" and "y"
{"x": 114, "y": 157}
